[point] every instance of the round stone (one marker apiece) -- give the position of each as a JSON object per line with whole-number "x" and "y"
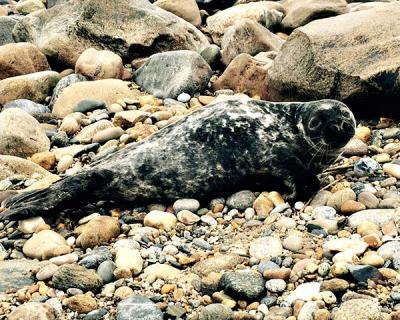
{"x": 265, "y": 248}
{"x": 245, "y": 285}
{"x": 241, "y": 200}
{"x": 275, "y": 285}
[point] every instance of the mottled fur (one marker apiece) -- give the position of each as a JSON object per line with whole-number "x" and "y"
{"x": 216, "y": 150}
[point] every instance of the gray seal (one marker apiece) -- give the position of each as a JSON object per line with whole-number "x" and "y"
{"x": 214, "y": 151}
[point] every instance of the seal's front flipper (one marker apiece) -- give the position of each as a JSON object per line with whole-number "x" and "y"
{"x": 69, "y": 192}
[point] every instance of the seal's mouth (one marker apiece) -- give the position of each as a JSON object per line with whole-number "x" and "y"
{"x": 337, "y": 135}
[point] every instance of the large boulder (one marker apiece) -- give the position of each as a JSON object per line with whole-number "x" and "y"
{"x": 21, "y": 134}
{"x": 107, "y": 90}
{"x": 21, "y": 58}
{"x": 267, "y": 13}
{"x": 301, "y": 12}
{"x": 34, "y": 86}
{"x": 130, "y": 28}
{"x": 248, "y": 36}
{"x": 168, "y": 74}
{"x": 353, "y": 57}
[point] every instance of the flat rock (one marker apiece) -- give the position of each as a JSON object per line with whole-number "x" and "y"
{"x": 168, "y": 74}
{"x": 33, "y": 311}
{"x": 389, "y": 249}
{"x": 107, "y": 90}
{"x": 27, "y": 106}
{"x": 16, "y": 274}
{"x": 376, "y": 216}
{"x": 216, "y": 311}
{"x": 266, "y": 247}
{"x": 21, "y": 134}
{"x": 98, "y": 231}
{"x": 244, "y": 285}
{"x": 64, "y": 31}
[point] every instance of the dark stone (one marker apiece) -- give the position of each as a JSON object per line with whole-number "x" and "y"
{"x": 89, "y": 105}
{"x": 168, "y": 74}
{"x": 94, "y": 258}
{"x": 243, "y": 285}
{"x": 241, "y": 200}
{"x": 75, "y": 276}
{"x": 60, "y": 139}
{"x": 16, "y": 274}
{"x": 105, "y": 271}
{"x": 216, "y": 311}
{"x": 64, "y": 83}
{"x": 364, "y": 273}
{"x": 96, "y": 314}
{"x": 211, "y": 5}
{"x": 138, "y": 308}
{"x": 27, "y": 105}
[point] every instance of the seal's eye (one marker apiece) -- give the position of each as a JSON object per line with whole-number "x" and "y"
{"x": 314, "y": 123}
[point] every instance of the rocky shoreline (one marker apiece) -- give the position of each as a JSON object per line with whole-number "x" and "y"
{"x": 77, "y": 84}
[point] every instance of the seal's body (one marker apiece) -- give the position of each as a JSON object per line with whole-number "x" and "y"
{"x": 227, "y": 146}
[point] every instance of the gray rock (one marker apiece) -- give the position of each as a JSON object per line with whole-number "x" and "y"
{"x": 72, "y": 27}
{"x": 216, "y": 311}
{"x": 168, "y": 74}
{"x": 105, "y": 271}
{"x": 64, "y": 83}
{"x": 186, "y": 204}
{"x": 88, "y": 105}
{"x": 331, "y": 58}
{"x": 33, "y": 310}
{"x": 241, "y": 200}
{"x": 27, "y": 105}
{"x": 75, "y": 276}
{"x": 138, "y": 308}
{"x": 243, "y": 285}
{"x": 95, "y": 257}
{"x": 96, "y": 314}
{"x": 275, "y": 285}
{"x": 16, "y": 274}
{"x": 6, "y": 27}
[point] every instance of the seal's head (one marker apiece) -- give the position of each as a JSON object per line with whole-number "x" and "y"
{"x": 329, "y": 123}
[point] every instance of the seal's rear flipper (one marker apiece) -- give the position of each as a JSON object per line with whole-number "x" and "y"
{"x": 69, "y": 192}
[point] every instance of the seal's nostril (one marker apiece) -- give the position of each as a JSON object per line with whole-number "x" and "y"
{"x": 345, "y": 126}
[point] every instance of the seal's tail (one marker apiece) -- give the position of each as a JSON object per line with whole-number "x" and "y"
{"x": 72, "y": 191}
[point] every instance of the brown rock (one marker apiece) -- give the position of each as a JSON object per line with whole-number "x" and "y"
{"x": 248, "y": 36}
{"x": 129, "y": 118}
{"x": 262, "y": 205}
{"x": 245, "y": 74}
{"x": 34, "y": 86}
{"x": 97, "y": 231}
{"x": 33, "y": 311}
{"x": 185, "y": 9}
{"x": 46, "y": 160}
{"x": 107, "y": 90}
{"x": 10, "y": 165}
{"x": 141, "y": 131}
{"x": 282, "y": 273}
{"x": 99, "y": 64}
{"x": 21, "y": 58}
{"x": 81, "y": 303}
{"x": 334, "y": 285}
{"x": 351, "y": 206}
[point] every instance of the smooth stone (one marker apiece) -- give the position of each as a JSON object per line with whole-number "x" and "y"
{"x": 345, "y": 244}
{"x": 339, "y": 197}
{"x": 89, "y": 105}
{"x": 47, "y": 272}
{"x": 324, "y": 212}
{"x": 30, "y": 225}
{"x": 216, "y": 311}
{"x": 64, "y": 259}
{"x": 27, "y": 106}
{"x": 275, "y": 285}
{"x": 64, "y": 83}
{"x": 95, "y": 257}
{"x": 45, "y": 244}
{"x": 97, "y": 231}
{"x": 186, "y": 204}
{"x": 33, "y": 310}
{"x": 218, "y": 264}
{"x": 187, "y": 217}
{"x": 160, "y": 220}
{"x": 389, "y": 250}
{"x": 107, "y": 134}
{"x": 304, "y": 291}
{"x": 81, "y": 303}
{"x": 307, "y": 311}
{"x": 293, "y": 243}
{"x": 364, "y": 273}
{"x": 128, "y": 256}
{"x": 162, "y": 271}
